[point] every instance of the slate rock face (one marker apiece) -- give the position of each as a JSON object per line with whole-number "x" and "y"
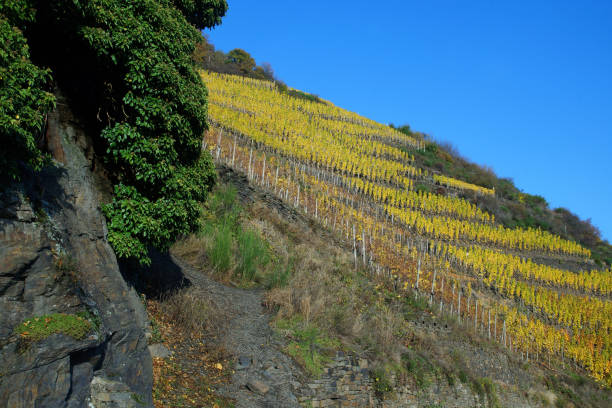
{"x": 48, "y": 215}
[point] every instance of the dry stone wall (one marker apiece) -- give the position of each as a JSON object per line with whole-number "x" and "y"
{"x": 347, "y": 382}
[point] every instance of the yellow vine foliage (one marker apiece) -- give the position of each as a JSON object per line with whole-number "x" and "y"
{"x": 356, "y": 177}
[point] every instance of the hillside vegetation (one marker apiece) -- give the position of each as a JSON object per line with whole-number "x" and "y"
{"x": 532, "y": 291}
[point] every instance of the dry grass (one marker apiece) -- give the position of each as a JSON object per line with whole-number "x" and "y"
{"x": 192, "y": 249}
{"x": 193, "y": 311}
{"x": 323, "y": 293}
{"x": 327, "y": 291}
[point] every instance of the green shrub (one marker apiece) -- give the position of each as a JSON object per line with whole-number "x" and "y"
{"x": 253, "y": 253}
{"x": 418, "y": 366}
{"x": 486, "y": 387}
{"x": 280, "y": 275}
{"x": 24, "y": 96}
{"x": 420, "y": 187}
{"x": 127, "y": 68}
{"x": 381, "y": 382}
{"x": 40, "y": 327}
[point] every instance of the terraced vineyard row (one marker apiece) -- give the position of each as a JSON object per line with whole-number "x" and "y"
{"x": 430, "y": 243}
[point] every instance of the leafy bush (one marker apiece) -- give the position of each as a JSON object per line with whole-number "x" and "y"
{"x": 382, "y": 383}
{"x": 24, "y": 96}
{"x": 127, "y": 67}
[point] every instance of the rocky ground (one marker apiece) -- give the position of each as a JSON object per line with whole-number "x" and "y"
{"x": 262, "y": 375}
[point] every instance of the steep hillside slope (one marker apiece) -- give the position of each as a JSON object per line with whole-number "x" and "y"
{"x": 532, "y": 292}
{"x": 354, "y": 338}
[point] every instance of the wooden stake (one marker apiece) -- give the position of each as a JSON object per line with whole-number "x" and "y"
{"x": 354, "y": 247}
{"x": 250, "y": 160}
{"x": 418, "y": 273}
{"x": 433, "y": 286}
{"x": 459, "y": 306}
{"x": 489, "y": 321}
{"x": 263, "y": 172}
{"x": 441, "y": 293}
{"x": 234, "y": 151}
{"x": 476, "y": 315}
{"x": 276, "y": 180}
{"x": 452, "y": 299}
{"x": 363, "y": 247}
{"x": 495, "y": 325}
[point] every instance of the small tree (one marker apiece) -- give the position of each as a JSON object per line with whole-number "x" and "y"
{"x": 242, "y": 59}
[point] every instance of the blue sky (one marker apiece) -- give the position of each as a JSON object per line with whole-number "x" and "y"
{"x": 524, "y": 87}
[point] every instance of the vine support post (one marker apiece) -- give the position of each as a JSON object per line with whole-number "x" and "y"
{"x": 219, "y": 145}
{"x": 276, "y": 180}
{"x": 433, "y": 286}
{"x": 250, "y": 161}
{"x": 363, "y": 246}
{"x": 476, "y": 315}
{"x": 441, "y": 293}
{"x": 452, "y": 299}
{"x": 489, "y": 321}
{"x": 482, "y": 318}
{"x": 354, "y": 247}
{"x": 459, "y": 305}
{"x": 234, "y": 151}
{"x": 562, "y": 355}
{"x": 263, "y": 172}
{"x": 469, "y": 302}
{"x": 418, "y": 274}
{"x": 495, "y": 325}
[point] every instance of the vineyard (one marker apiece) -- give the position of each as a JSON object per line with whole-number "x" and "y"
{"x": 358, "y": 177}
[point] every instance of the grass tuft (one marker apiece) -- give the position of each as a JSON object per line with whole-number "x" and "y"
{"x": 220, "y": 253}
{"x": 308, "y": 344}
{"x": 40, "y": 327}
{"x": 253, "y": 254}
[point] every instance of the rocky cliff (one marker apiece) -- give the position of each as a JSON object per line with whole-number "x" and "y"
{"x": 54, "y": 258}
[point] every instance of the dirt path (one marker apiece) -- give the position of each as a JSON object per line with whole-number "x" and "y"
{"x": 264, "y": 376}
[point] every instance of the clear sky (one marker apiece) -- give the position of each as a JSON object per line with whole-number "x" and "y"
{"x": 522, "y": 86}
